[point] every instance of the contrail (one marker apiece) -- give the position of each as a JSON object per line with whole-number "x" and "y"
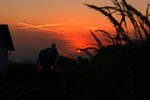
{"x": 51, "y": 25}
{"x": 81, "y": 24}
{"x": 41, "y": 27}
{"x": 89, "y": 27}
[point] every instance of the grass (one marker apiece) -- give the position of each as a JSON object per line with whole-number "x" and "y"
{"x": 119, "y": 71}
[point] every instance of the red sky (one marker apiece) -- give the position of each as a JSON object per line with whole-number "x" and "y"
{"x": 35, "y": 24}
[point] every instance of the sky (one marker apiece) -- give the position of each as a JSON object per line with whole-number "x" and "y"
{"x": 36, "y": 24}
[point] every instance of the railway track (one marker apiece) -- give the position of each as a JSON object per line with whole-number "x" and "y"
{"x": 16, "y": 93}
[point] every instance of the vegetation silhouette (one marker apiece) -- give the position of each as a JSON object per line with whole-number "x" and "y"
{"x": 120, "y": 70}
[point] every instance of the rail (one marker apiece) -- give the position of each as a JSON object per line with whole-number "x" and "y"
{"x": 21, "y": 91}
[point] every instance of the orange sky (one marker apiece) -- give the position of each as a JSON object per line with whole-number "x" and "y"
{"x": 35, "y": 24}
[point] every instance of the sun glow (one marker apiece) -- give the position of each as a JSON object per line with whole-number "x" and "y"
{"x": 78, "y": 51}
{"x": 35, "y": 24}
{"x": 77, "y": 33}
